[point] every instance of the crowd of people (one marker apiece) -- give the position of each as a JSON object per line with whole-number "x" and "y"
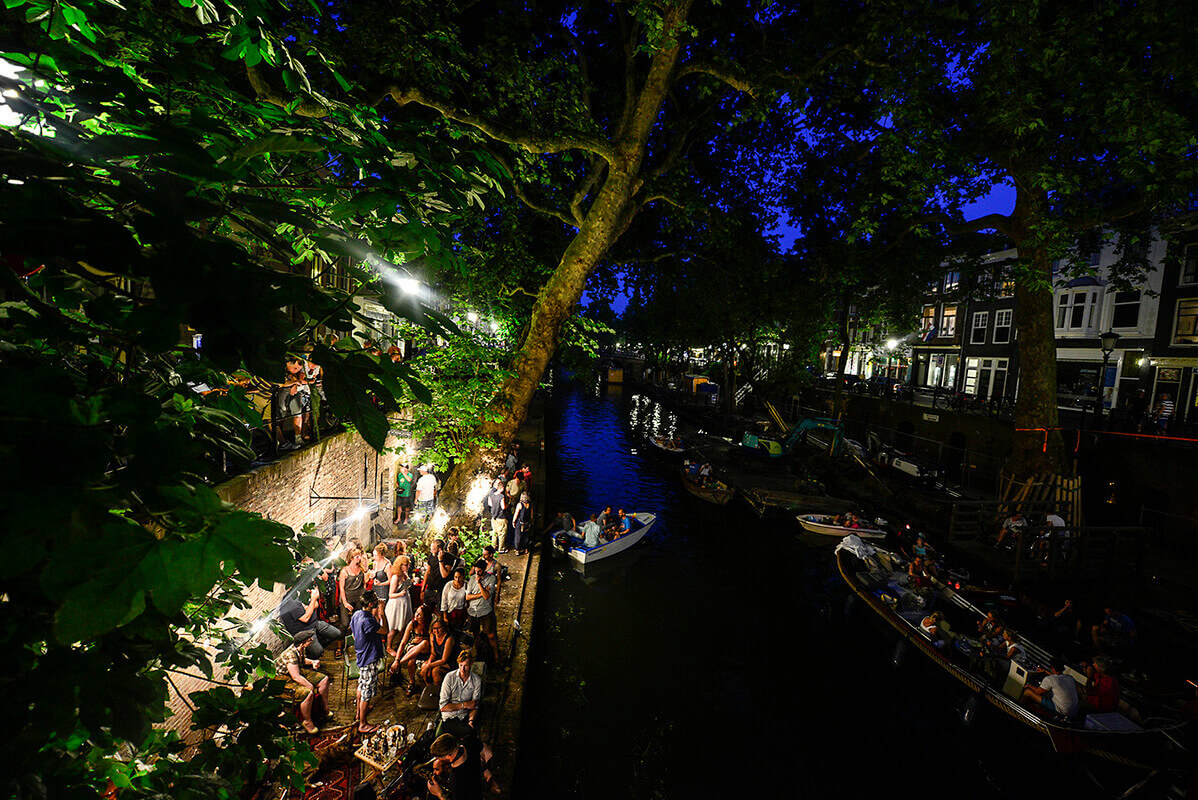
{"x": 420, "y": 622}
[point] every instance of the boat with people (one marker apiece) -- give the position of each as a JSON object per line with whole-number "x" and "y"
{"x": 837, "y": 525}
{"x": 672, "y": 448}
{"x": 1141, "y": 731}
{"x": 707, "y": 487}
{"x": 641, "y": 521}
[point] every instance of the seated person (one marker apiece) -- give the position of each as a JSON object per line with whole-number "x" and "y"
{"x": 461, "y": 692}
{"x": 590, "y": 531}
{"x": 605, "y": 518}
{"x": 988, "y": 626}
{"x": 917, "y": 574}
{"x": 921, "y": 548}
{"x": 305, "y": 683}
{"x": 1102, "y": 688}
{"x": 619, "y": 525}
{"x": 1115, "y": 631}
{"x": 460, "y": 768}
{"x": 297, "y": 618}
{"x": 937, "y": 627}
{"x": 1013, "y": 650}
{"x": 1012, "y": 525}
{"x": 1056, "y": 694}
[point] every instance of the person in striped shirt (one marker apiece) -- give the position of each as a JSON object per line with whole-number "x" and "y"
{"x": 1162, "y": 414}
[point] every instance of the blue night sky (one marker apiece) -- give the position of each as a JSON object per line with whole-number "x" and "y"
{"x": 1000, "y": 200}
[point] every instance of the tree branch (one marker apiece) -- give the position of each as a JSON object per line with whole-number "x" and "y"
{"x": 737, "y": 81}
{"x": 558, "y": 143}
{"x": 309, "y": 106}
{"x": 528, "y": 201}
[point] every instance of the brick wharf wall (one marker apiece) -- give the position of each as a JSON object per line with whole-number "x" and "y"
{"x": 339, "y": 466}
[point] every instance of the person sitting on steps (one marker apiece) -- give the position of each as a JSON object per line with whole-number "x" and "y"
{"x": 306, "y": 684}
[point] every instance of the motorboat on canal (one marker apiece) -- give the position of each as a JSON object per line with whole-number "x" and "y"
{"x": 664, "y": 446}
{"x": 1143, "y": 732}
{"x": 826, "y": 524}
{"x": 641, "y": 522}
{"x": 711, "y": 490}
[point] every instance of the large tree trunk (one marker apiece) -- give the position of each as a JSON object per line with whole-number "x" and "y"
{"x": 605, "y": 222}
{"x": 1038, "y": 447}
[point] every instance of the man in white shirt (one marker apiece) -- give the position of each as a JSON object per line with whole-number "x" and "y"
{"x": 461, "y": 692}
{"x": 1057, "y": 693}
{"x": 426, "y": 493}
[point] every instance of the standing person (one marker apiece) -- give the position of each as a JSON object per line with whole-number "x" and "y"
{"x": 1012, "y": 526}
{"x": 496, "y": 506}
{"x": 426, "y": 493}
{"x": 515, "y": 488}
{"x": 294, "y": 403}
{"x": 403, "y": 494}
{"x": 522, "y": 524}
{"x": 351, "y": 582}
{"x": 369, "y": 627}
{"x": 480, "y": 606}
{"x": 1162, "y": 414}
{"x": 509, "y": 464}
{"x": 453, "y": 600}
{"x": 1137, "y": 410}
{"x": 399, "y": 603}
{"x": 438, "y": 568}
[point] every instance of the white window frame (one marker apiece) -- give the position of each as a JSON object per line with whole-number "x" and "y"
{"x": 1116, "y": 303}
{"x": 1087, "y": 299}
{"x": 999, "y": 316}
{"x": 981, "y": 321}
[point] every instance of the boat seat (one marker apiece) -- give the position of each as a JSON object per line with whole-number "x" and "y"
{"x": 1016, "y": 680}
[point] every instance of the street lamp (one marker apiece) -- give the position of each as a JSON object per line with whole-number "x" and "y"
{"x": 1107, "y": 343}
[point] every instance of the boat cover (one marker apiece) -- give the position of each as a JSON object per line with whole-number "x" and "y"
{"x": 854, "y": 545}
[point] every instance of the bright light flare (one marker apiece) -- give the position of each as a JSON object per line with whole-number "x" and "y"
{"x": 892, "y": 343}
{"x": 409, "y": 285}
{"x": 478, "y": 491}
{"x": 471, "y": 317}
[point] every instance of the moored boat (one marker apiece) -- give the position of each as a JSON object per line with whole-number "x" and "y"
{"x": 1142, "y": 732}
{"x": 826, "y": 524}
{"x": 641, "y": 522}
{"x": 710, "y": 489}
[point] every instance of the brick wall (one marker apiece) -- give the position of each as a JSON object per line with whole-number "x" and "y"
{"x": 341, "y": 466}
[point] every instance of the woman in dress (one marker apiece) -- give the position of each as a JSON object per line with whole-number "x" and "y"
{"x": 413, "y": 645}
{"x": 399, "y": 603}
{"x": 352, "y": 585}
{"x": 522, "y": 525}
{"x": 443, "y": 652}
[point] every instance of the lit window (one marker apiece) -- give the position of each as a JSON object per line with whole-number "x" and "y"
{"x": 929, "y": 319}
{"x": 977, "y": 333}
{"x": 951, "y": 281}
{"x": 948, "y": 321}
{"x": 1186, "y": 330}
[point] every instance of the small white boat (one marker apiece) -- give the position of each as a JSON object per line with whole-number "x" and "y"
{"x": 641, "y": 522}
{"x": 826, "y": 524}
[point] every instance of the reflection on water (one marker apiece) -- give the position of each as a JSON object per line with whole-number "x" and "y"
{"x": 713, "y": 659}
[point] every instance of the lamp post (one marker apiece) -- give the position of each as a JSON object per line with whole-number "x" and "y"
{"x": 1107, "y": 343}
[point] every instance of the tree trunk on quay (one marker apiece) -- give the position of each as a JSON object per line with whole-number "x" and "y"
{"x": 605, "y": 221}
{"x": 1038, "y": 446}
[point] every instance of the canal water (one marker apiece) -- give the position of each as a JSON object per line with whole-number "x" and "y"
{"x": 715, "y": 659}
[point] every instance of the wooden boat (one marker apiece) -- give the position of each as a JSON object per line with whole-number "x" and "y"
{"x": 641, "y": 522}
{"x": 713, "y": 491}
{"x": 1142, "y": 733}
{"x": 826, "y": 524}
{"x": 667, "y": 447}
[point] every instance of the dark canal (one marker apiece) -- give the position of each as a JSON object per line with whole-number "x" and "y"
{"x": 714, "y": 658}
